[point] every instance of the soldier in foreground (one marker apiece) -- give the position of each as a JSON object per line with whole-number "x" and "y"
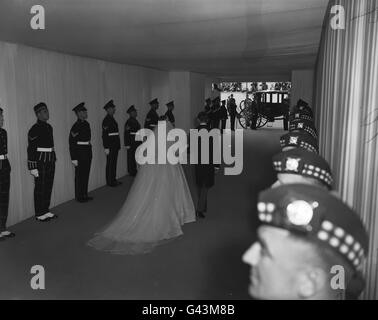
{"x": 310, "y": 246}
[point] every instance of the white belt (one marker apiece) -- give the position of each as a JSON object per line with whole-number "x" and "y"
{"x": 83, "y": 143}
{"x": 3, "y": 156}
{"x": 45, "y": 149}
{"x": 114, "y": 134}
{"x": 152, "y": 125}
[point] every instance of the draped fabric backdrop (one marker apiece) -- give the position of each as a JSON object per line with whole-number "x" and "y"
{"x": 347, "y": 114}
{"x": 29, "y": 75}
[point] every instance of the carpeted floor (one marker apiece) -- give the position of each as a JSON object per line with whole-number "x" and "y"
{"x": 205, "y": 263}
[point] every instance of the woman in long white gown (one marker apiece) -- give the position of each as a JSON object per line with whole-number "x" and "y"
{"x": 157, "y": 205}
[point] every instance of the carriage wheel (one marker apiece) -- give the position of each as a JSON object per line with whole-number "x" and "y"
{"x": 243, "y": 119}
{"x": 245, "y": 113}
{"x": 261, "y": 121}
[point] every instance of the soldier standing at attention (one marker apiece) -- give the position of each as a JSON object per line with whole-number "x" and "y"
{"x": 169, "y": 114}
{"x": 132, "y": 126}
{"x": 232, "y": 111}
{"x": 152, "y": 117}
{"x": 5, "y": 170}
{"x": 111, "y": 143}
{"x": 41, "y": 162}
{"x": 81, "y": 152}
{"x": 207, "y": 110}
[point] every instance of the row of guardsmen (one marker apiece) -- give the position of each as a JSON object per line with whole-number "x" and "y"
{"x": 218, "y": 112}
{"x": 310, "y": 244}
{"x": 42, "y": 157}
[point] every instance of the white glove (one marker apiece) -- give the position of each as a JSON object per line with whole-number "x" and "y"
{"x": 107, "y": 151}
{"x": 34, "y": 173}
{"x": 75, "y": 163}
{"x": 128, "y": 147}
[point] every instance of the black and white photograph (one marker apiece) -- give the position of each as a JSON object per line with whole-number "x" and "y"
{"x": 188, "y": 151}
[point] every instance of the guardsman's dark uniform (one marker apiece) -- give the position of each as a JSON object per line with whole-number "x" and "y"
{"x": 41, "y": 157}
{"x": 223, "y": 115}
{"x": 111, "y": 141}
{"x": 132, "y": 126}
{"x": 169, "y": 114}
{"x": 81, "y": 151}
{"x": 317, "y": 216}
{"x": 215, "y": 114}
{"x": 5, "y": 170}
{"x": 152, "y": 117}
{"x": 304, "y": 126}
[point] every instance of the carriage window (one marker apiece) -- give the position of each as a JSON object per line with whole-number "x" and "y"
{"x": 267, "y": 98}
{"x": 275, "y": 98}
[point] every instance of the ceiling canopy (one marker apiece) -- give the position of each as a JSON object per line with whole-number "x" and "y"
{"x": 233, "y": 39}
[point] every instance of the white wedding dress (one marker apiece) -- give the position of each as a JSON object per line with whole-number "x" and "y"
{"x": 157, "y": 205}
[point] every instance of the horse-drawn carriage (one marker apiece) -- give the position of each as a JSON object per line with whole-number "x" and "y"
{"x": 266, "y": 106}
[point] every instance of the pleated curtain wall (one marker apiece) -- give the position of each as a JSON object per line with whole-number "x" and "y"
{"x": 29, "y": 75}
{"x": 347, "y": 114}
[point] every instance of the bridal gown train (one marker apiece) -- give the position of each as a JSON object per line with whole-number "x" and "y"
{"x": 158, "y": 204}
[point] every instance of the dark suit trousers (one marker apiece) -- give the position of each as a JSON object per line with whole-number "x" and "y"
{"x": 233, "y": 118}
{"x": 111, "y": 166}
{"x": 131, "y": 163}
{"x": 82, "y": 177}
{"x": 202, "y": 198}
{"x": 43, "y": 187}
{"x": 4, "y": 192}
{"x": 223, "y": 125}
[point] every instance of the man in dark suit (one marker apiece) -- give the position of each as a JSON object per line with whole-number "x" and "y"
{"x": 204, "y": 172}
{"x": 111, "y": 143}
{"x": 223, "y": 115}
{"x": 215, "y": 113}
{"x": 132, "y": 126}
{"x": 41, "y": 162}
{"x": 152, "y": 117}
{"x": 5, "y": 170}
{"x": 81, "y": 152}
{"x": 232, "y": 111}
{"x": 169, "y": 114}
{"x": 207, "y": 110}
